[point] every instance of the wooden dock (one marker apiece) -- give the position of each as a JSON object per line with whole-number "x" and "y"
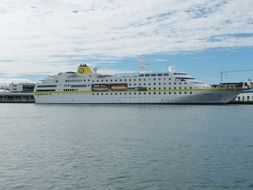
{"x": 16, "y": 98}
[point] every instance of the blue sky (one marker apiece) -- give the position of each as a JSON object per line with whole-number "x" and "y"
{"x": 202, "y": 37}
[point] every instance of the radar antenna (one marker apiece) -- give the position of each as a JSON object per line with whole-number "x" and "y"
{"x": 172, "y": 69}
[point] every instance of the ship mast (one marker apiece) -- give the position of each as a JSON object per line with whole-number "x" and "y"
{"x": 142, "y": 64}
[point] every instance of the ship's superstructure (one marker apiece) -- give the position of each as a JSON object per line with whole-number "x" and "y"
{"x": 86, "y": 86}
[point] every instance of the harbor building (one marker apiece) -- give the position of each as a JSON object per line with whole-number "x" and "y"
{"x": 18, "y": 93}
{"x": 21, "y": 87}
{"x": 245, "y": 97}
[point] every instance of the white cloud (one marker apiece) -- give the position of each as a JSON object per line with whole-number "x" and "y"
{"x": 43, "y": 35}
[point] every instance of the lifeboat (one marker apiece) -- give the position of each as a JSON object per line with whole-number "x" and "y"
{"x": 100, "y": 87}
{"x": 122, "y": 86}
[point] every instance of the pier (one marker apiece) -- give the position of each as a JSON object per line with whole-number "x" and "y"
{"x": 17, "y": 98}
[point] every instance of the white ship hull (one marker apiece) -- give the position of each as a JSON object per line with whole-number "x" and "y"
{"x": 87, "y": 87}
{"x": 215, "y": 97}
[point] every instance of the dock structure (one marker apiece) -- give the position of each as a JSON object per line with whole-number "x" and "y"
{"x": 8, "y": 97}
{"x": 245, "y": 97}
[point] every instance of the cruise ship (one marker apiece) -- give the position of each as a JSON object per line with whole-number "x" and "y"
{"x": 171, "y": 87}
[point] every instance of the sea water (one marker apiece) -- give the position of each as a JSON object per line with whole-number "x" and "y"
{"x": 126, "y": 147}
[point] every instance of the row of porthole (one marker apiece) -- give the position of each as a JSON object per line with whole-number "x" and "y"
{"x": 113, "y": 80}
{"x": 140, "y": 93}
{"x": 130, "y": 93}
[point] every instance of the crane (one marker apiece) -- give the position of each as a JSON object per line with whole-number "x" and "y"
{"x": 232, "y": 71}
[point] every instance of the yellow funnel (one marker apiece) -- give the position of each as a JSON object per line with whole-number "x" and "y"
{"x": 83, "y": 69}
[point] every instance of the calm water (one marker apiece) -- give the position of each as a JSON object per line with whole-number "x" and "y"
{"x": 126, "y": 147}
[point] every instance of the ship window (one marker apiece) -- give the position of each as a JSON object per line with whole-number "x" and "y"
{"x": 42, "y": 86}
{"x": 139, "y": 92}
{"x": 129, "y": 79}
{"x": 166, "y": 74}
{"x": 144, "y": 83}
{"x": 115, "y": 93}
{"x": 175, "y": 83}
{"x": 179, "y": 87}
{"x": 175, "y": 92}
{"x": 139, "y": 79}
{"x": 185, "y": 92}
{"x": 180, "y": 83}
{"x": 130, "y": 93}
{"x": 159, "y": 83}
{"x": 135, "y": 93}
{"x": 120, "y": 93}
{"x": 154, "y": 92}
{"x": 120, "y": 79}
{"x": 159, "y": 74}
{"x": 147, "y": 75}
{"x": 159, "y": 92}
{"x": 190, "y": 92}
{"x": 144, "y": 93}
{"x": 154, "y": 78}
{"x": 153, "y": 75}
{"x": 180, "y": 92}
{"x": 111, "y": 93}
{"x": 164, "y": 93}
{"x": 169, "y": 92}
{"x": 125, "y": 93}
{"x": 141, "y": 75}
{"x": 139, "y": 83}
{"x": 175, "y": 87}
{"x": 125, "y": 80}
{"x": 185, "y": 83}
{"x": 149, "y": 93}
{"x": 164, "y": 88}
{"x": 154, "y": 88}
{"x": 154, "y": 83}
{"x": 134, "y": 79}
{"x": 79, "y": 85}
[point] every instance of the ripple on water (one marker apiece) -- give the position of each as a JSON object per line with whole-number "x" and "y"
{"x": 126, "y": 147}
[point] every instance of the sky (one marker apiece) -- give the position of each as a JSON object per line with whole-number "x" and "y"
{"x": 201, "y": 37}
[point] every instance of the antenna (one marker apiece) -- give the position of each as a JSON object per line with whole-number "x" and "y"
{"x": 142, "y": 64}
